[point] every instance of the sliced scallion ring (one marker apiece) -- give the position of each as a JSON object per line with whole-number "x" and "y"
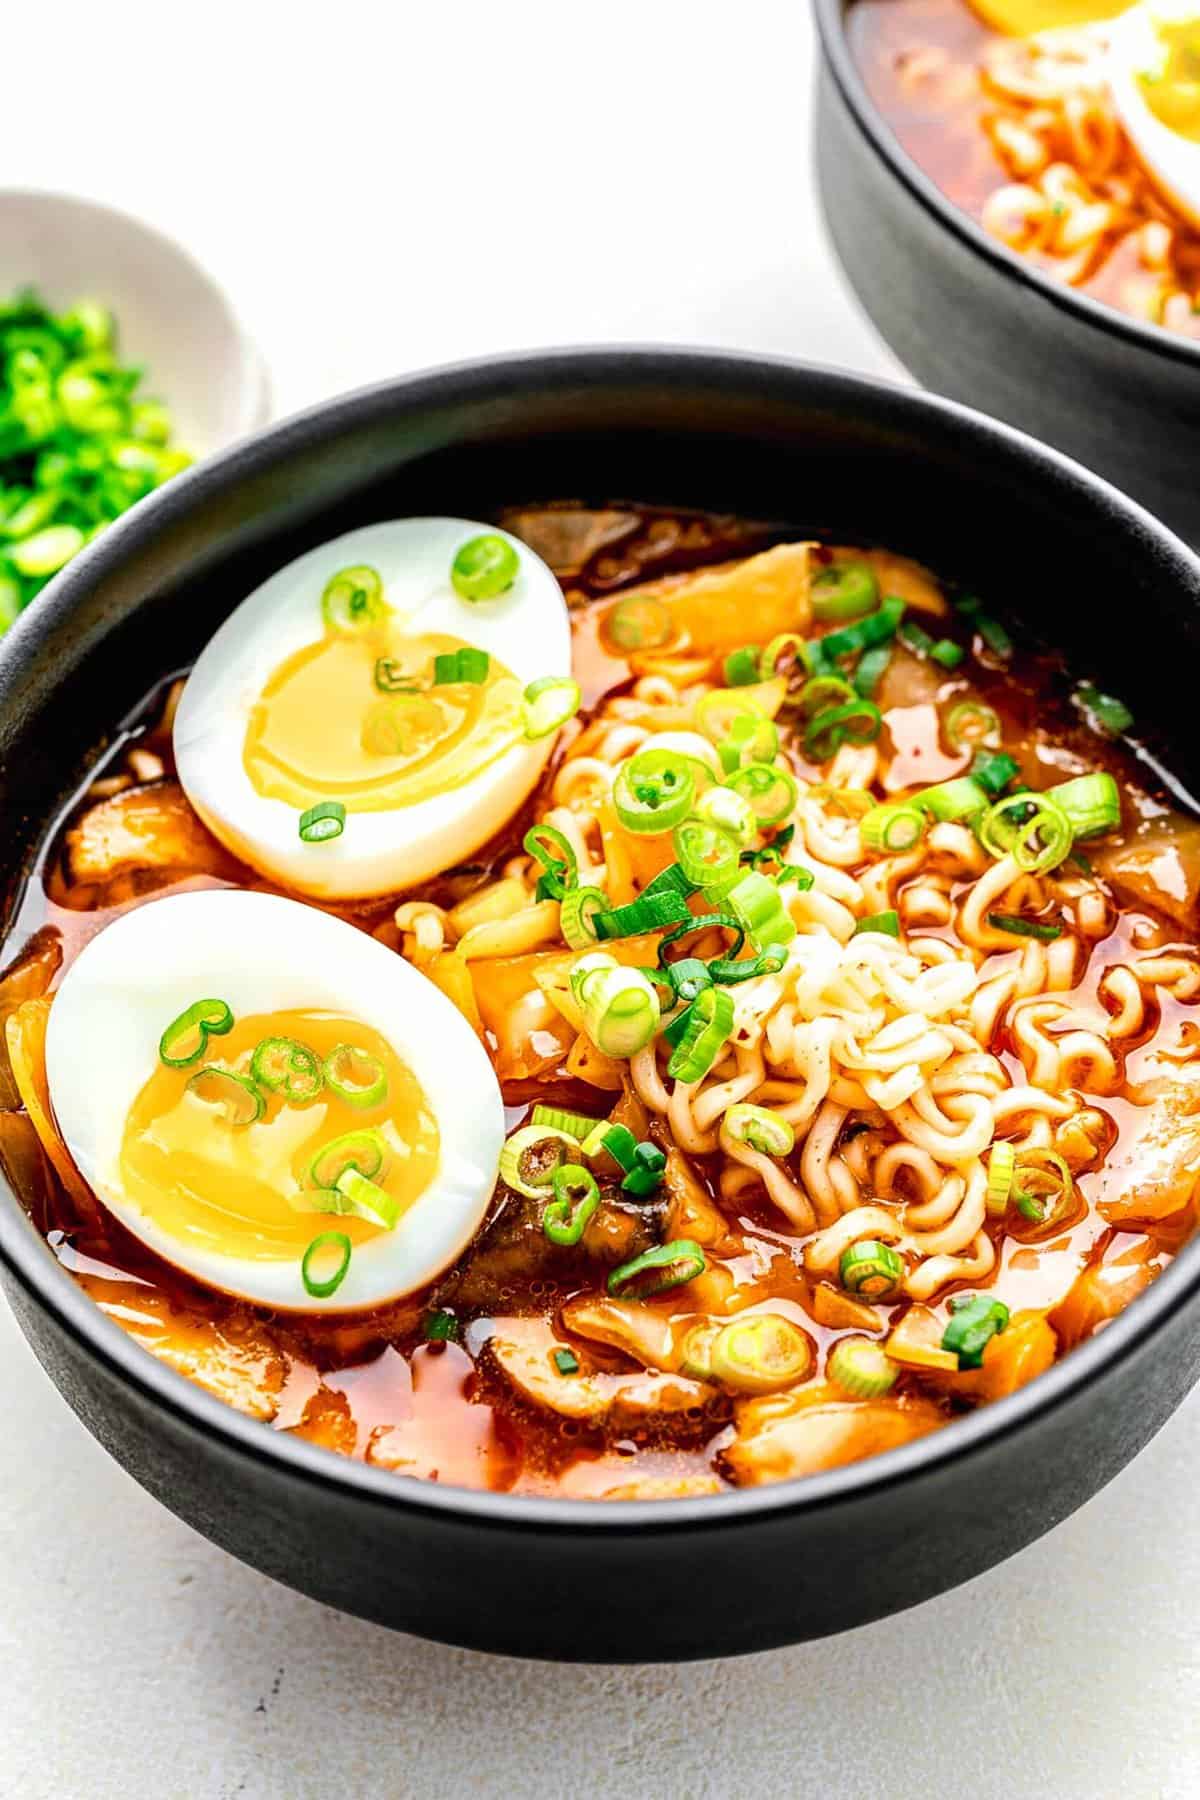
{"x": 186, "y": 1038}
{"x": 760, "y": 1354}
{"x": 760, "y": 1128}
{"x": 843, "y": 591}
{"x": 369, "y": 1201}
{"x": 705, "y": 1029}
{"x": 730, "y": 810}
{"x": 484, "y": 567}
{"x": 577, "y": 915}
{"x": 390, "y": 678}
{"x": 976, "y": 1319}
{"x": 366, "y": 1150}
{"x": 621, "y": 1010}
{"x": 861, "y": 1367}
{"x": 1092, "y": 803}
{"x": 353, "y": 599}
{"x": 856, "y": 722}
{"x": 871, "y": 1269}
{"x": 531, "y": 1156}
{"x": 758, "y": 906}
{"x": 638, "y": 624}
{"x": 466, "y": 664}
{"x": 328, "y": 1244}
{"x": 654, "y": 791}
{"x": 576, "y": 1199}
{"x": 740, "y": 667}
{"x": 1002, "y": 1163}
{"x": 888, "y": 923}
{"x": 547, "y": 704}
{"x": 708, "y": 856}
{"x": 560, "y": 1118}
{"x": 1043, "y": 1187}
{"x": 895, "y": 826}
{"x": 323, "y": 822}
{"x": 959, "y": 801}
{"x": 970, "y": 723}
{"x": 769, "y": 788}
{"x": 649, "y": 912}
{"x": 656, "y": 1271}
{"x": 1029, "y": 827}
{"x": 283, "y": 1065}
{"x": 560, "y": 867}
{"x": 235, "y": 1095}
{"x": 356, "y": 1076}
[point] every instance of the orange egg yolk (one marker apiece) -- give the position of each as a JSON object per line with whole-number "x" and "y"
{"x": 238, "y": 1190}
{"x": 322, "y": 729}
{"x": 1172, "y": 90}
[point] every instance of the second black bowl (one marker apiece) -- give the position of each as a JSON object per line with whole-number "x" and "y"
{"x": 972, "y": 319}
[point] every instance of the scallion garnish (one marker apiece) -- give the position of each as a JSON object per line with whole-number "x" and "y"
{"x": 234, "y": 1095}
{"x": 1105, "y": 712}
{"x": 977, "y": 1318}
{"x": 708, "y": 855}
{"x": 283, "y": 1065}
{"x": 870, "y": 670}
{"x": 390, "y": 678}
{"x": 1029, "y": 827}
{"x": 649, "y": 912}
{"x": 466, "y": 664}
{"x": 970, "y": 722}
{"x": 329, "y": 1243}
{"x": 353, "y": 599}
{"x": 857, "y": 722}
{"x": 560, "y": 867}
{"x": 886, "y": 922}
{"x": 547, "y": 704}
{"x": 756, "y": 904}
{"x": 440, "y": 1327}
{"x": 877, "y": 628}
{"x": 704, "y": 1030}
{"x": 186, "y": 1038}
{"x": 1092, "y": 803}
{"x": 740, "y": 667}
{"x": 616, "y": 1141}
{"x": 566, "y": 1361}
{"x": 620, "y": 1006}
{"x": 356, "y": 1076}
{"x": 365, "y": 1150}
{"x": 994, "y": 770}
{"x": 843, "y": 590}
{"x": 871, "y": 1269}
{"x": 532, "y": 1154}
{"x": 763, "y": 1130}
{"x": 323, "y": 822}
{"x": 947, "y": 653}
{"x": 894, "y": 826}
{"x": 559, "y": 1118}
{"x": 638, "y": 624}
{"x": 645, "y": 1172}
{"x": 576, "y": 1198}
{"x": 915, "y": 638}
{"x": 990, "y": 630}
{"x": 769, "y": 788}
{"x": 484, "y": 567}
{"x": 656, "y": 1271}
{"x": 1018, "y": 926}
{"x": 577, "y": 914}
{"x": 860, "y": 1366}
{"x": 961, "y": 800}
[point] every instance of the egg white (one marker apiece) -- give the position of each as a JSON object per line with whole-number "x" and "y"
{"x": 1172, "y": 161}
{"x": 260, "y": 953}
{"x": 378, "y": 852}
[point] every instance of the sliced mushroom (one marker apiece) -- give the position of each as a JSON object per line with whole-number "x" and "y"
{"x": 513, "y": 1250}
{"x": 1153, "y": 1168}
{"x": 523, "y": 1351}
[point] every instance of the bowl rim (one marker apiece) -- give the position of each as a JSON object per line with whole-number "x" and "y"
{"x": 839, "y": 60}
{"x": 30, "y": 1261}
{"x": 253, "y": 378}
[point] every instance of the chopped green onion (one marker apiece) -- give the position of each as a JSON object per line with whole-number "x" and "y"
{"x": 760, "y": 1353}
{"x": 894, "y": 826}
{"x": 871, "y": 1269}
{"x": 989, "y": 629}
{"x": 861, "y": 1367}
{"x": 440, "y": 1327}
{"x": 655, "y": 1271}
{"x": 366, "y": 1150}
{"x": 706, "y": 1027}
{"x": 186, "y": 1038}
{"x": 971, "y": 722}
{"x": 1092, "y": 803}
{"x": 749, "y": 740}
{"x": 730, "y": 811}
{"x": 784, "y": 655}
{"x": 620, "y": 1007}
{"x": 824, "y": 691}
{"x": 954, "y": 802}
{"x": 886, "y": 922}
{"x": 576, "y": 1198}
{"x": 947, "y": 653}
{"x": 672, "y": 880}
{"x": 236, "y": 1095}
{"x": 323, "y": 822}
{"x": 915, "y": 638}
{"x": 1044, "y": 1187}
{"x": 531, "y": 1156}
{"x": 647, "y": 1170}
{"x": 617, "y": 1141}
{"x": 857, "y": 722}
{"x": 769, "y": 788}
{"x": 756, "y": 904}
{"x": 321, "y": 1287}
{"x": 285, "y": 1066}
{"x": 576, "y": 1125}
{"x": 353, "y": 599}
{"x": 1002, "y": 1162}
{"x": 843, "y": 590}
{"x": 717, "y": 712}
{"x": 484, "y": 567}
{"x": 877, "y": 628}
{"x": 1029, "y": 827}
{"x": 872, "y": 665}
{"x": 762, "y": 1129}
{"x": 577, "y": 916}
{"x": 708, "y": 856}
{"x": 547, "y": 704}
{"x": 1105, "y": 712}
{"x": 1019, "y": 926}
{"x": 740, "y": 667}
{"x": 654, "y": 791}
{"x": 768, "y": 962}
{"x": 994, "y": 771}
{"x": 977, "y": 1318}
{"x": 356, "y": 1076}
{"x": 639, "y": 624}
{"x": 465, "y": 664}
{"x": 566, "y": 1362}
{"x": 649, "y": 912}
{"x": 549, "y": 847}
{"x": 390, "y": 678}
{"x": 368, "y": 1201}
{"x": 688, "y": 977}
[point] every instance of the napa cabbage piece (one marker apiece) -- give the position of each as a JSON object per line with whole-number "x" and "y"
{"x": 716, "y": 609}
{"x": 1157, "y": 863}
{"x": 522, "y": 1353}
{"x": 782, "y": 1436}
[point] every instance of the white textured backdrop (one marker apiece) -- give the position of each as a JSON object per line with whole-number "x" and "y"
{"x": 382, "y": 187}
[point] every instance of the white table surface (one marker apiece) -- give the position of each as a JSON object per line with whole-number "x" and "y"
{"x": 385, "y": 187}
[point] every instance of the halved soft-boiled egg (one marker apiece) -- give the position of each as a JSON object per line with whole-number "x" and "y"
{"x": 273, "y": 1101}
{"x": 379, "y": 708}
{"x": 1154, "y": 77}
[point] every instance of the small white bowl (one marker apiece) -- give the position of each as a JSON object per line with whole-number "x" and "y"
{"x": 172, "y": 317}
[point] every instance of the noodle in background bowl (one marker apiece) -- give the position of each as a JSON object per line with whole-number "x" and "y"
{"x": 979, "y": 322}
{"x": 760, "y": 438}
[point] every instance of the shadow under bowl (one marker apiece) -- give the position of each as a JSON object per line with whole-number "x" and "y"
{"x": 860, "y": 461}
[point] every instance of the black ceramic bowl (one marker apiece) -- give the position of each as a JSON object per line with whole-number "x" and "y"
{"x": 972, "y": 319}
{"x": 573, "y": 1579}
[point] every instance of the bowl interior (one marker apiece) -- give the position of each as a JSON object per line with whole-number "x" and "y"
{"x": 172, "y": 316}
